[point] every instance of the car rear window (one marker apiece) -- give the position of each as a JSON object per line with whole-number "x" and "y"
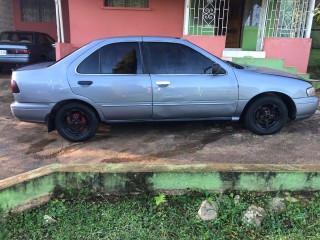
{"x": 16, "y": 37}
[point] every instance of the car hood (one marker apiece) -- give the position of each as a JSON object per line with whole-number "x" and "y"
{"x": 35, "y": 66}
{"x": 272, "y": 72}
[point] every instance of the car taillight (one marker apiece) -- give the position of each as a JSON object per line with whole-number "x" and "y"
{"x": 18, "y": 51}
{"x": 14, "y": 87}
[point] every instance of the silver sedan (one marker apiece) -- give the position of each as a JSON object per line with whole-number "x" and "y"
{"x": 132, "y": 79}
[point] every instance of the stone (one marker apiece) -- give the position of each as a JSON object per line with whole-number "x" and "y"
{"x": 292, "y": 199}
{"x": 277, "y": 204}
{"x": 208, "y": 211}
{"x": 236, "y": 199}
{"x": 48, "y": 219}
{"x": 254, "y": 215}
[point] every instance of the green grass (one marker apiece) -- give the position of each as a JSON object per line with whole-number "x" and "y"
{"x": 314, "y": 67}
{"x": 314, "y": 60}
{"x": 175, "y": 217}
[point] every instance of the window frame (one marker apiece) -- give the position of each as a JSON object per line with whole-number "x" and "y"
{"x": 105, "y": 6}
{"x": 141, "y": 58}
{"x": 38, "y": 8}
{"x": 150, "y": 63}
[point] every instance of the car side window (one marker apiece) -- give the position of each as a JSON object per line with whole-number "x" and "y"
{"x": 91, "y": 64}
{"x": 44, "y": 40}
{"x": 116, "y": 58}
{"x": 174, "y": 58}
{"x": 121, "y": 58}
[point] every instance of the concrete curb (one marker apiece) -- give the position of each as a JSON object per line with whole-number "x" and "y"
{"x": 26, "y": 190}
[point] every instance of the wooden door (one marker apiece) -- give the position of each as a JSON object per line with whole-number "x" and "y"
{"x": 234, "y": 29}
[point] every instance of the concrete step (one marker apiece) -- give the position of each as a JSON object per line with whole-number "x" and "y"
{"x": 238, "y": 53}
{"x": 305, "y": 76}
{"x": 277, "y": 64}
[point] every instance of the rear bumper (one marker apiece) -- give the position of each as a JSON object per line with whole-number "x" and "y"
{"x": 31, "y": 112}
{"x": 306, "y": 107}
{"x": 16, "y": 60}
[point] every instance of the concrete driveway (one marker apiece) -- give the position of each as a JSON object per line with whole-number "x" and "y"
{"x": 26, "y": 146}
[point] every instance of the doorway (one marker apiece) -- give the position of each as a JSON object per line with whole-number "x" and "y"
{"x": 234, "y": 32}
{"x": 238, "y": 20}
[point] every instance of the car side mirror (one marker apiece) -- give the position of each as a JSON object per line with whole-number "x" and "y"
{"x": 217, "y": 69}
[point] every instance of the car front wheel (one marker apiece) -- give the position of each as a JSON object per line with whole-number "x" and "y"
{"x": 76, "y": 122}
{"x": 266, "y": 115}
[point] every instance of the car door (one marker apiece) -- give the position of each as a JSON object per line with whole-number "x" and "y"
{"x": 184, "y": 86}
{"x": 113, "y": 77}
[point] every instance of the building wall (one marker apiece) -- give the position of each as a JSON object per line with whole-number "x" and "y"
{"x": 294, "y": 51}
{"x": 212, "y": 44}
{"x": 92, "y": 21}
{"x": 46, "y": 27}
{"x": 6, "y": 15}
{"x": 162, "y": 18}
{"x": 49, "y": 28}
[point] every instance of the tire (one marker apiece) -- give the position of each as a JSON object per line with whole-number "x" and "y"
{"x": 266, "y": 115}
{"x": 76, "y": 122}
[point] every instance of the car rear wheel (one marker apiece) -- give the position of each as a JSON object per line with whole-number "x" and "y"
{"x": 266, "y": 115}
{"x": 76, "y": 122}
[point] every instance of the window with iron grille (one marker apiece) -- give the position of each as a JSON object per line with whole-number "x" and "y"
{"x": 126, "y": 3}
{"x": 286, "y": 18}
{"x": 38, "y": 10}
{"x": 208, "y": 17}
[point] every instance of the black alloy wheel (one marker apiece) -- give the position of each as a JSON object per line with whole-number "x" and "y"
{"x": 76, "y": 122}
{"x": 267, "y": 115}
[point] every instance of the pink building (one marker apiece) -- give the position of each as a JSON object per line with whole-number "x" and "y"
{"x": 271, "y": 33}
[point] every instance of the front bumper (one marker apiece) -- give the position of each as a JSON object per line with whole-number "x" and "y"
{"x": 31, "y": 112}
{"x": 306, "y": 107}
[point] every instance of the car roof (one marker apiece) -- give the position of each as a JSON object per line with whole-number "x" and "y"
{"x": 24, "y": 32}
{"x": 143, "y": 38}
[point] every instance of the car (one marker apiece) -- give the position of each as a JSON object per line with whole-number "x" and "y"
{"x": 18, "y": 48}
{"x": 131, "y": 79}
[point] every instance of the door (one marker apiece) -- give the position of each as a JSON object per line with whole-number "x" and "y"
{"x": 184, "y": 86}
{"x": 234, "y": 26}
{"x": 113, "y": 77}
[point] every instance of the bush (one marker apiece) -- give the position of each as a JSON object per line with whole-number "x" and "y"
{"x": 315, "y": 35}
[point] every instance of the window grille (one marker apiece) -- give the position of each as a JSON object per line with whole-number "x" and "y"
{"x": 126, "y": 3}
{"x": 208, "y": 17}
{"x": 286, "y": 18}
{"x": 38, "y": 10}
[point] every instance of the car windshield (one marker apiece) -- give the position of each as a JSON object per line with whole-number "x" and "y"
{"x": 16, "y": 37}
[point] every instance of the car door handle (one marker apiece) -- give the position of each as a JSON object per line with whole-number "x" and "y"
{"x": 85, "y": 83}
{"x": 163, "y": 83}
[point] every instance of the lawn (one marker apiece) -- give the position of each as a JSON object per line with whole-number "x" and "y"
{"x": 174, "y": 217}
{"x": 314, "y": 64}
{"x": 314, "y": 60}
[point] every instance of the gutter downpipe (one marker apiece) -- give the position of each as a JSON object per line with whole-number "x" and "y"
{"x": 61, "y": 21}
{"x": 312, "y": 4}
{"x": 58, "y": 21}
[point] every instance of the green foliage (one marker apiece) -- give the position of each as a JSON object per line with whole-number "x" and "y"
{"x": 160, "y": 199}
{"x": 316, "y": 19}
{"x": 135, "y": 217}
{"x": 314, "y": 63}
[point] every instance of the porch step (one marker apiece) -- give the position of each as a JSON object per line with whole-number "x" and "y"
{"x": 277, "y": 64}
{"x": 237, "y": 52}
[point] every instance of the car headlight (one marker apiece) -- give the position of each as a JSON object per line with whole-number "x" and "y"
{"x": 311, "y": 92}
